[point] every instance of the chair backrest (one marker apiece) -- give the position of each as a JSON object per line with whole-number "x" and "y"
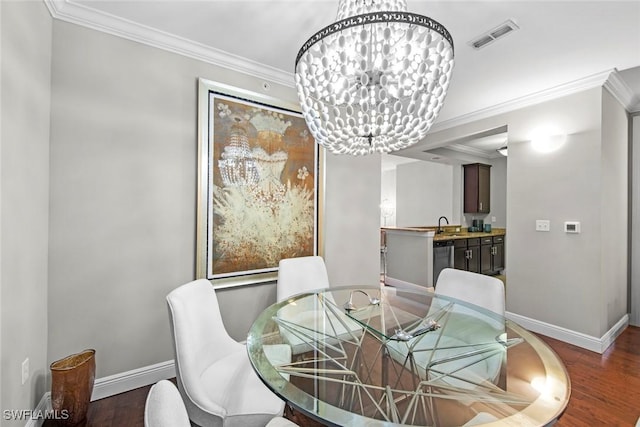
{"x": 479, "y": 289}
{"x": 199, "y": 335}
{"x": 302, "y": 274}
{"x": 164, "y": 407}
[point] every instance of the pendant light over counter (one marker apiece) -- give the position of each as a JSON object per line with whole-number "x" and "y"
{"x": 375, "y": 80}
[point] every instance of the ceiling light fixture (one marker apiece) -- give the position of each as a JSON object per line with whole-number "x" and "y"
{"x": 502, "y": 150}
{"x": 375, "y": 80}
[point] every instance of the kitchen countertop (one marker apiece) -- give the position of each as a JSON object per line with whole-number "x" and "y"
{"x": 464, "y": 234}
{"x": 451, "y": 233}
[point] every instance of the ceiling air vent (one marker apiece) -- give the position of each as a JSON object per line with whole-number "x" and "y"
{"x": 493, "y": 34}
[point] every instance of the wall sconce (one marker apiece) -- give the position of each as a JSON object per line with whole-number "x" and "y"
{"x": 547, "y": 144}
{"x": 546, "y": 140}
{"x": 502, "y": 150}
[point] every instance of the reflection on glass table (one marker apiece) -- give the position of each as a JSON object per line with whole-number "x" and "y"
{"x": 384, "y": 356}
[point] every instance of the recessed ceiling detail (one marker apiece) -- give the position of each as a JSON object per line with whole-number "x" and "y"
{"x": 494, "y": 34}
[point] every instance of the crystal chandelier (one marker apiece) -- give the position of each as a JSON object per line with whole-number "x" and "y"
{"x": 375, "y": 80}
{"x": 237, "y": 166}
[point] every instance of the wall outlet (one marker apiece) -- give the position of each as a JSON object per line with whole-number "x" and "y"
{"x": 25, "y": 370}
{"x": 543, "y": 225}
{"x": 493, "y": 219}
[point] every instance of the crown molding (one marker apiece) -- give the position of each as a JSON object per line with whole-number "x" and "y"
{"x": 79, "y": 14}
{"x": 596, "y": 80}
{"x": 622, "y": 92}
{"x": 465, "y": 149}
{"x": 75, "y": 13}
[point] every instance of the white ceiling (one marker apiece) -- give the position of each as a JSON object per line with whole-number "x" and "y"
{"x": 559, "y": 42}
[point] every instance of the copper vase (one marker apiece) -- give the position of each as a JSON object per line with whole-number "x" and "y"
{"x": 71, "y": 387}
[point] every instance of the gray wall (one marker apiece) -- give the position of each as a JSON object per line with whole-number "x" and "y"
{"x": 562, "y": 279}
{"x": 123, "y": 199}
{"x": 424, "y": 192}
{"x": 25, "y": 34}
{"x": 352, "y": 219}
{"x": 557, "y": 276}
{"x": 614, "y": 204}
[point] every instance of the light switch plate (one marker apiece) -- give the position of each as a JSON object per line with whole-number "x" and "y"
{"x": 543, "y": 225}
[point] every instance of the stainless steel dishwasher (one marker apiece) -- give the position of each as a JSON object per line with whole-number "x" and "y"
{"x": 442, "y": 257}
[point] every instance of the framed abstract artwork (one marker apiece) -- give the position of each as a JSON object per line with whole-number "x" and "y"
{"x": 258, "y": 185}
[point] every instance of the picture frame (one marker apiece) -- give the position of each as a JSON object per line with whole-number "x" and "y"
{"x": 259, "y": 185}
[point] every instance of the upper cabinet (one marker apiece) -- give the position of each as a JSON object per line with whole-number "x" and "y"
{"x": 477, "y": 184}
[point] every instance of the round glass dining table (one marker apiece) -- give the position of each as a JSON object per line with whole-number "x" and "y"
{"x": 384, "y": 356}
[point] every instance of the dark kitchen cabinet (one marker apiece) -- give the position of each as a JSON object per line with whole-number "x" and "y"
{"x": 486, "y": 255}
{"x": 498, "y": 254}
{"x": 492, "y": 255}
{"x": 480, "y": 255}
{"x": 460, "y": 255}
{"x": 466, "y": 255}
{"x": 477, "y": 188}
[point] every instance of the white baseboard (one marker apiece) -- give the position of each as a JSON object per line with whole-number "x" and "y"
{"x": 115, "y": 384}
{"x": 43, "y": 406}
{"x": 136, "y": 378}
{"x": 599, "y": 345}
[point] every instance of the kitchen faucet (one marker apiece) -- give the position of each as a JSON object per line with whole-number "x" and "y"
{"x": 440, "y": 230}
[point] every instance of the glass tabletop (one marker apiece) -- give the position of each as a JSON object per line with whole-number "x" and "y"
{"x": 386, "y": 356}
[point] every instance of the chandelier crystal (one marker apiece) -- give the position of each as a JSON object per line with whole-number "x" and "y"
{"x": 375, "y": 80}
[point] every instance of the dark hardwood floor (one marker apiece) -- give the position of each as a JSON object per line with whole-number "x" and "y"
{"x": 605, "y": 389}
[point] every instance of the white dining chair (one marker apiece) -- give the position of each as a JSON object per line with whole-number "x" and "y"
{"x": 164, "y": 407}
{"x": 467, "y": 332}
{"x": 302, "y": 274}
{"x": 483, "y": 291}
{"x": 309, "y": 318}
{"x": 478, "y": 289}
{"x": 213, "y": 371}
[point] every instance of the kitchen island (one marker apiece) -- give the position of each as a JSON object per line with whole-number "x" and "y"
{"x": 409, "y": 256}
{"x": 409, "y": 253}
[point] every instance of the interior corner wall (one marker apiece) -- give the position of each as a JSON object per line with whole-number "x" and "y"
{"x": 123, "y": 199}
{"x": 24, "y": 202}
{"x": 634, "y": 318}
{"x": 614, "y": 208}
